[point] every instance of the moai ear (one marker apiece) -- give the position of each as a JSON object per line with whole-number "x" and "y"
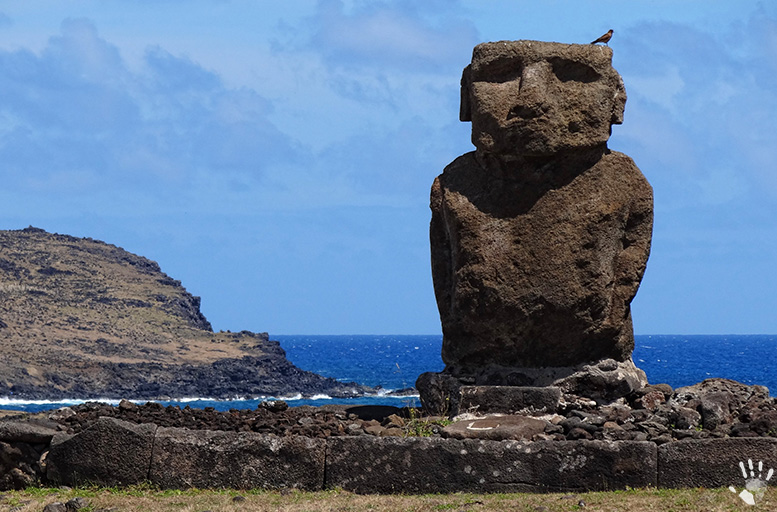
{"x": 619, "y": 105}
{"x": 465, "y": 109}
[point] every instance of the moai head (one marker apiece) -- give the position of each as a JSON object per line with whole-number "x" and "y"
{"x": 534, "y": 99}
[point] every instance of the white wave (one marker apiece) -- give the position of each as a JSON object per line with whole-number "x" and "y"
{"x": 298, "y": 396}
{"x": 385, "y": 393}
{"x": 6, "y": 401}
{"x": 13, "y": 401}
{"x": 65, "y": 401}
{"x": 203, "y": 399}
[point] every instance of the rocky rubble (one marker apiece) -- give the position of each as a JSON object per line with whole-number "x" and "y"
{"x": 713, "y": 408}
{"x": 271, "y": 417}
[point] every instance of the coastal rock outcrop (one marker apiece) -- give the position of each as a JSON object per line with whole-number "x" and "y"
{"x": 85, "y": 319}
{"x": 540, "y": 237}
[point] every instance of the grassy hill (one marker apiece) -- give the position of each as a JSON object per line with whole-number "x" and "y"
{"x": 81, "y": 318}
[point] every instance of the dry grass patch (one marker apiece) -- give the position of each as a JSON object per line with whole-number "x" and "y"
{"x": 152, "y": 500}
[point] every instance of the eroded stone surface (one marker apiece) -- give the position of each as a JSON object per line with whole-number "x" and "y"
{"x": 110, "y": 452}
{"x": 527, "y": 390}
{"x": 27, "y": 431}
{"x": 185, "y": 458}
{"x": 713, "y": 462}
{"x": 534, "y": 98}
{"x": 509, "y": 399}
{"x": 544, "y": 284}
{"x": 497, "y": 428}
{"x": 540, "y": 237}
{"x": 372, "y": 465}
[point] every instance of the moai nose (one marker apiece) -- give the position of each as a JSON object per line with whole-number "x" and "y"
{"x": 533, "y": 91}
{"x": 534, "y": 78}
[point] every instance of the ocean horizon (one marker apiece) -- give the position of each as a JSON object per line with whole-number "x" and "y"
{"x": 393, "y": 362}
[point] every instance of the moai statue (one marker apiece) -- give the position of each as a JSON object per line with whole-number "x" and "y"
{"x": 539, "y": 237}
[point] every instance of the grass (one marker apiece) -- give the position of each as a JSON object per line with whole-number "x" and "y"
{"x": 154, "y": 500}
{"x": 418, "y": 426}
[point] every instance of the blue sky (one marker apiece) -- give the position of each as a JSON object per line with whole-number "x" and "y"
{"x": 277, "y": 157}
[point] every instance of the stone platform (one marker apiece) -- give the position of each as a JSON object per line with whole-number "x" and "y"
{"x": 527, "y": 390}
{"x": 115, "y": 452}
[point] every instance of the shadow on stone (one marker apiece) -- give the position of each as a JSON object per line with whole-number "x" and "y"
{"x": 110, "y": 452}
{"x": 185, "y": 458}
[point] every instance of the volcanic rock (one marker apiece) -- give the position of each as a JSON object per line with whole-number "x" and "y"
{"x": 27, "y": 431}
{"x": 721, "y": 401}
{"x": 18, "y": 464}
{"x": 80, "y": 459}
{"x": 549, "y": 286}
{"x": 184, "y": 458}
{"x": 540, "y": 237}
{"x": 86, "y": 319}
{"x": 496, "y": 428}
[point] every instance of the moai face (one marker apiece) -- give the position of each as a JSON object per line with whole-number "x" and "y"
{"x": 530, "y": 98}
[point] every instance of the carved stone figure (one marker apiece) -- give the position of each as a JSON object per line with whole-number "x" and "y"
{"x": 540, "y": 237}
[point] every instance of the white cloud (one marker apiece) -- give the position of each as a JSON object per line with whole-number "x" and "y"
{"x": 699, "y": 111}
{"x": 76, "y": 118}
{"x": 366, "y": 66}
{"x": 379, "y": 34}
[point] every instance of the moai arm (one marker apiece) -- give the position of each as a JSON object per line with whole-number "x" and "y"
{"x": 632, "y": 260}
{"x": 439, "y": 238}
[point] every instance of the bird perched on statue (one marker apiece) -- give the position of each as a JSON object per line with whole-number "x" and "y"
{"x": 604, "y": 39}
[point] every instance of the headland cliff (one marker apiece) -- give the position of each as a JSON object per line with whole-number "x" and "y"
{"x": 80, "y": 318}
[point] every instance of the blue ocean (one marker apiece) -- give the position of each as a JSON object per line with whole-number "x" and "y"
{"x": 394, "y": 362}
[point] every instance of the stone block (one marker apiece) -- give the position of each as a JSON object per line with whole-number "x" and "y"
{"x": 509, "y": 399}
{"x": 185, "y": 458}
{"x": 110, "y": 452}
{"x": 27, "y": 432}
{"x": 496, "y": 428}
{"x": 713, "y": 462}
{"x": 431, "y": 465}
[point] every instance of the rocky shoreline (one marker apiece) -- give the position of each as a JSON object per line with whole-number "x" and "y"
{"x": 270, "y": 374}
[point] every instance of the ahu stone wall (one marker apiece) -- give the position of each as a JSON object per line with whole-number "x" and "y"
{"x": 115, "y": 452}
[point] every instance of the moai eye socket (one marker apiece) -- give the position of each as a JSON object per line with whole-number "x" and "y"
{"x": 499, "y": 71}
{"x": 569, "y": 70}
